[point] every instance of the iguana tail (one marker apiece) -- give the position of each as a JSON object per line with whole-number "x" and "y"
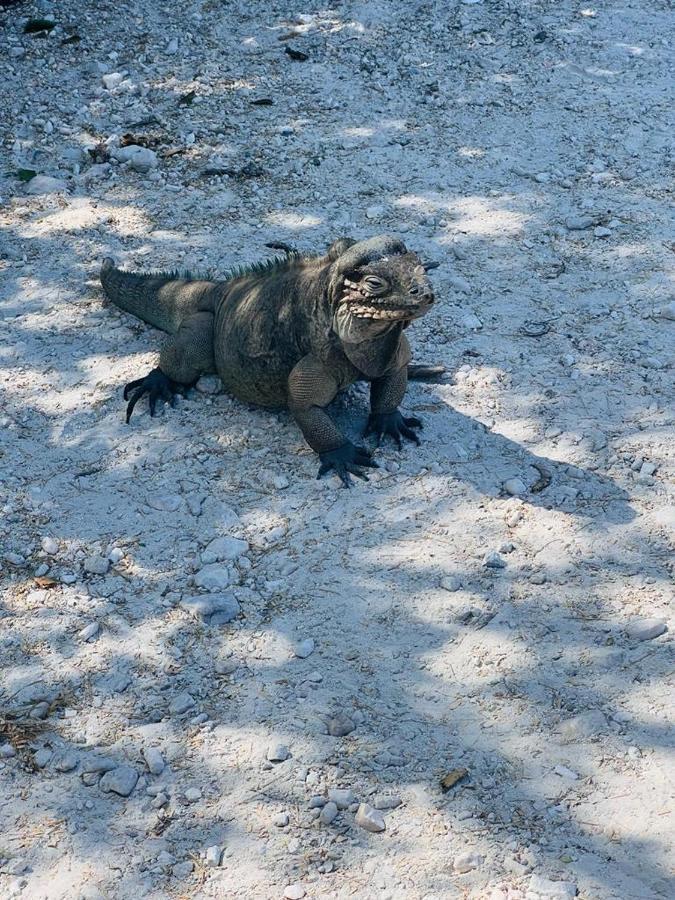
{"x": 161, "y": 299}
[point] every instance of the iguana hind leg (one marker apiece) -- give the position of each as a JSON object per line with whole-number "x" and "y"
{"x": 185, "y": 356}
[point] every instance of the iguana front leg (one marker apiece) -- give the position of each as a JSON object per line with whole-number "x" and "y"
{"x": 386, "y": 394}
{"x": 185, "y": 356}
{"x": 310, "y": 388}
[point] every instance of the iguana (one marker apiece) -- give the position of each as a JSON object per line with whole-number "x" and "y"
{"x": 291, "y": 332}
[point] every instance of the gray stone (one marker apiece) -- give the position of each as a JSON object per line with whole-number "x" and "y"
{"x": 278, "y": 753}
{"x": 192, "y": 795}
{"x": 583, "y": 727}
{"x": 44, "y": 184}
{"x": 281, "y": 820}
{"x": 142, "y": 159}
{"x": 42, "y": 757}
{"x": 369, "y": 819}
{"x": 386, "y": 801}
{"x": 668, "y": 311}
{"x": 579, "y": 223}
{"x": 223, "y": 548}
{"x": 303, "y": 649}
{"x": 341, "y": 797}
{"x": 451, "y": 583}
{"x": 7, "y": 751}
{"x": 492, "y": 560}
{"x": 328, "y": 813}
{"x": 551, "y": 890}
{"x": 96, "y": 565}
{"x": 208, "y": 606}
{"x": 181, "y": 703}
{"x": 465, "y": 862}
{"x": 165, "y": 502}
{"x": 645, "y": 629}
{"x": 88, "y": 632}
{"x": 214, "y": 577}
{"x": 153, "y": 760}
{"x": 121, "y": 780}
{"x": 340, "y": 725}
{"x": 182, "y": 869}
{"x": 111, "y": 80}
{"x": 515, "y": 487}
{"x": 98, "y": 764}
{"x": 67, "y": 762}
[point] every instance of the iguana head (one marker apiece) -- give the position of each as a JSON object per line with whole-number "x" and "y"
{"x": 379, "y": 281}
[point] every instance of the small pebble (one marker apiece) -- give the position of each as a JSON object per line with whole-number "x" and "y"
{"x": 192, "y": 795}
{"x": 96, "y": 565}
{"x": 645, "y": 629}
{"x": 465, "y": 862}
{"x": 50, "y": 545}
{"x": 7, "y": 751}
{"x": 515, "y": 487}
{"x": 153, "y": 760}
{"x": 294, "y": 892}
{"x": 340, "y": 725}
{"x": 492, "y": 560}
{"x": 213, "y": 856}
{"x": 278, "y": 753}
{"x": 369, "y": 819}
{"x": 328, "y": 813}
{"x": 281, "y": 820}
{"x": 341, "y": 797}
{"x": 386, "y": 801}
{"x": 304, "y": 648}
{"x": 67, "y": 762}
{"x": 121, "y": 780}
{"x": 551, "y": 890}
{"x": 451, "y": 583}
{"x": 88, "y": 632}
{"x": 181, "y": 704}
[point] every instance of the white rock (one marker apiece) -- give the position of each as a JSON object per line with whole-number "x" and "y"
{"x": 50, "y": 545}
{"x": 451, "y": 583}
{"x": 88, "y": 632}
{"x": 112, "y": 80}
{"x": 213, "y": 856}
{"x": 602, "y": 232}
{"x": 278, "y": 753}
{"x": 172, "y": 47}
{"x": 223, "y": 548}
{"x": 460, "y": 284}
{"x": 341, "y": 797}
{"x": 214, "y": 577}
{"x": 579, "y": 223}
{"x": 153, "y": 760}
{"x": 294, "y": 892}
{"x": 192, "y": 795}
{"x": 515, "y": 487}
{"x": 645, "y": 629}
{"x": 142, "y": 159}
{"x": 303, "y": 649}
{"x": 281, "y": 820}
{"x": 115, "y": 555}
{"x": 181, "y": 703}
{"x": 647, "y": 468}
{"x": 369, "y": 819}
{"x": 551, "y": 890}
{"x": 564, "y": 772}
{"x": 7, "y": 751}
{"x": 386, "y": 801}
{"x": 328, "y": 813}
{"x": 465, "y": 862}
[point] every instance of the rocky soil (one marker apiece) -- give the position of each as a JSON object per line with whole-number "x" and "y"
{"x": 221, "y": 677}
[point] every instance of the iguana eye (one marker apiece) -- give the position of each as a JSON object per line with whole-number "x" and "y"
{"x": 374, "y": 284}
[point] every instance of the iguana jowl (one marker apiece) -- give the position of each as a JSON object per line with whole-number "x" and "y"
{"x": 290, "y": 333}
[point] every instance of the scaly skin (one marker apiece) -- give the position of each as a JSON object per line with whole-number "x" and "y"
{"x": 291, "y": 333}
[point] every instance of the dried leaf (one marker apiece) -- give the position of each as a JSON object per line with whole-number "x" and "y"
{"x": 450, "y": 779}
{"x": 44, "y": 581}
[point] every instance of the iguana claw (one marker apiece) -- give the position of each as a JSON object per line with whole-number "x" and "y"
{"x": 395, "y": 425}
{"x": 157, "y": 385}
{"x": 346, "y": 461}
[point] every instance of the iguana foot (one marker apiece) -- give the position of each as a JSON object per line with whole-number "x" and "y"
{"x": 157, "y": 385}
{"x": 345, "y": 460}
{"x": 395, "y": 425}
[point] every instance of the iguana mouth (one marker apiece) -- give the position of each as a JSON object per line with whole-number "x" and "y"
{"x": 364, "y": 305}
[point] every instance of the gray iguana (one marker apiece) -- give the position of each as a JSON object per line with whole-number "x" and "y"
{"x": 291, "y": 332}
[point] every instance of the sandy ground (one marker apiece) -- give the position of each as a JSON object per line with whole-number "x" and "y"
{"x": 457, "y": 612}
